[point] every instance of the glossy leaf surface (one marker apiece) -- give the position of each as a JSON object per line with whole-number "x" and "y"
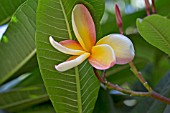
{"x": 155, "y": 30}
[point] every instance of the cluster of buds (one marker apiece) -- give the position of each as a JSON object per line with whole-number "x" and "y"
{"x": 148, "y": 7}
{"x": 119, "y": 17}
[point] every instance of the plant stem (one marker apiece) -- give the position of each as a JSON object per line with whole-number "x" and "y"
{"x": 98, "y": 76}
{"x": 151, "y": 93}
{"x": 104, "y": 75}
{"x": 126, "y": 91}
{"x": 157, "y": 96}
{"x": 139, "y": 76}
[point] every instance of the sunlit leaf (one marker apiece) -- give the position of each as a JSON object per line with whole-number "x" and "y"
{"x": 7, "y": 8}
{"x": 155, "y": 30}
{"x": 18, "y": 99}
{"x": 20, "y": 47}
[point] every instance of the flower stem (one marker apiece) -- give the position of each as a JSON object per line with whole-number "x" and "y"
{"x": 157, "y": 96}
{"x": 139, "y": 76}
{"x": 151, "y": 93}
{"x": 126, "y": 91}
{"x": 98, "y": 76}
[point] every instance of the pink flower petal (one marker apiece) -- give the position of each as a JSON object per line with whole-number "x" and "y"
{"x": 71, "y": 44}
{"x": 83, "y": 27}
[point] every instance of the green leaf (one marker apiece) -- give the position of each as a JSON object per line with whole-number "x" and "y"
{"x": 164, "y": 89}
{"x": 7, "y": 8}
{"x": 155, "y": 30}
{"x": 18, "y": 99}
{"x": 140, "y": 46}
{"x": 33, "y": 79}
{"x": 148, "y": 105}
{"x": 45, "y": 108}
{"x": 99, "y": 6}
{"x": 28, "y": 67}
{"x": 104, "y": 102}
{"x": 73, "y": 91}
{"x": 21, "y": 41}
{"x": 162, "y": 7}
{"x": 121, "y": 74}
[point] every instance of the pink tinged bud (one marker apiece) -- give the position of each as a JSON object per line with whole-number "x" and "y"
{"x": 147, "y": 7}
{"x": 153, "y": 7}
{"x": 118, "y": 18}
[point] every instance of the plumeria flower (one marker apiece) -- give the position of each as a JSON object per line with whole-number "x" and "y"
{"x": 108, "y": 51}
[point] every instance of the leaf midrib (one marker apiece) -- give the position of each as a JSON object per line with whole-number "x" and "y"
{"x": 26, "y": 59}
{"x": 79, "y": 101}
{"x": 160, "y": 34}
{"x": 67, "y": 23}
{"x": 78, "y": 90}
{"x": 25, "y": 101}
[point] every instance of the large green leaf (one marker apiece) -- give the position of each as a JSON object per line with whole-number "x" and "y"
{"x": 155, "y": 30}
{"x": 7, "y": 8}
{"x": 73, "y": 91}
{"x": 18, "y": 99}
{"x": 28, "y": 92}
{"x": 21, "y": 40}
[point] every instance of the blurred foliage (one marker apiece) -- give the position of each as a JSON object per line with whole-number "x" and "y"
{"x": 7, "y": 9}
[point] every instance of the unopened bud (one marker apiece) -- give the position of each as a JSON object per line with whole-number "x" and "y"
{"x": 153, "y": 7}
{"x": 118, "y": 18}
{"x": 147, "y": 7}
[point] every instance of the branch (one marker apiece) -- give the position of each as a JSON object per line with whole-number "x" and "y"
{"x": 139, "y": 76}
{"x": 151, "y": 93}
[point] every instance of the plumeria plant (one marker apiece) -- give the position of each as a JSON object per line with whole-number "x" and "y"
{"x": 108, "y": 51}
{"x": 78, "y": 56}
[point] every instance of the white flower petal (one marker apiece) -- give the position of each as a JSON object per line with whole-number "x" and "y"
{"x": 64, "y": 49}
{"x": 122, "y": 46}
{"x": 72, "y": 63}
